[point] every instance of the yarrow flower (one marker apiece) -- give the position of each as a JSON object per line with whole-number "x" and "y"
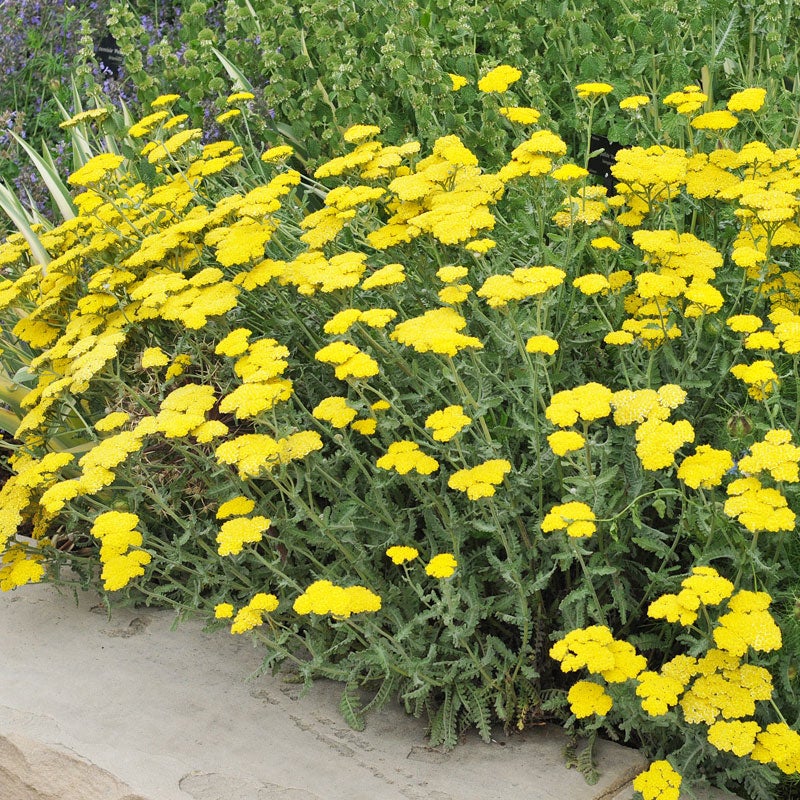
{"x": 587, "y": 698}
{"x": 405, "y": 456}
{"x": 480, "y": 481}
{"x": 589, "y": 90}
{"x": 441, "y": 566}
{"x": 563, "y": 442}
{"x": 747, "y": 100}
{"x": 457, "y": 81}
{"x": 447, "y": 422}
{"x": 323, "y": 597}
{"x": 499, "y": 79}
{"x": 401, "y": 554}
{"x": 576, "y": 518}
{"x": 659, "y": 782}
{"x": 634, "y": 102}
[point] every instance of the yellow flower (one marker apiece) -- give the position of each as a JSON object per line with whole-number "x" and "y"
{"x": 587, "y": 698}
{"x": 164, "y": 100}
{"x": 563, "y": 442}
{"x": 541, "y": 344}
{"x": 239, "y": 97}
{"x": 366, "y": 427}
{"x": 592, "y": 283}
{"x": 336, "y": 411}
{"x": 715, "y": 121}
{"x": 605, "y": 243}
{"x": 227, "y": 115}
{"x": 447, "y": 422}
{"x": 634, "y": 103}
{"x": 480, "y": 481}
{"x": 237, "y": 532}
{"x": 458, "y": 81}
{"x": 112, "y": 421}
{"x": 659, "y": 782}
{"x": 95, "y": 169}
{"x": 404, "y": 456}
{"x": 480, "y": 246}
{"x": 569, "y": 172}
{"x": 736, "y": 737}
{"x": 323, "y": 597}
{"x": 235, "y": 507}
{"x": 521, "y": 114}
{"x": 441, "y": 566}
{"x": 277, "y": 153}
{"x": 223, "y": 611}
{"x": 234, "y": 344}
{"x": 400, "y": 554}
{"x": 499, "y": 79}
{"x": 576, "y": 518}
{"x": 705, "y": 468}
{"x": 747, "y": 100}
{"x": 588, "y": 90}
{"x": 358, "y": 133}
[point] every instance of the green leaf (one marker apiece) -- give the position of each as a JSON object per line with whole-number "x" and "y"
{"x": 350, "y": 708}
{"x": 57, "y": 188}
{"x": 10, "y": 203}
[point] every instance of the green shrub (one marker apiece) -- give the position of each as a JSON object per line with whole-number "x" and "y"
{"x": 433, "y": 429}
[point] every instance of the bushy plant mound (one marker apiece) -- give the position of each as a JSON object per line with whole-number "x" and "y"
{"x": 481, "y": 436}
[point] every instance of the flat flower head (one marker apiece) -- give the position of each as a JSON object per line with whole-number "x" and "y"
{"x": 588, "y": 90}
{"x": 634, "y": 103}
{"x": 587, "y": 698}
{"x": 401, "y": 554}
{"x": 715, "y": 121}
{"x": 659, "y": 782}
{"x": 576, "y": 518}
{"x": 499, "y": 79}
{"x": 457, "y": 81}
{"x": 563, "y": 442}
{"x": 541, "y": 344}
{"x": 520, "y": 114}
{"x": 447, "y": 422}
{"x": 441, "y": 566}
{"x": 358, "y": 133}
{"x": 405, "y": 456}
{"x": 747, "y": 100}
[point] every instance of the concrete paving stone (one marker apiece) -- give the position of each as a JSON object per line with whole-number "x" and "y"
{"x": 126, "y": 708}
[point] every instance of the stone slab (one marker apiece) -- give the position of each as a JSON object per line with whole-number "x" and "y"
{"x": 128, "y": 709}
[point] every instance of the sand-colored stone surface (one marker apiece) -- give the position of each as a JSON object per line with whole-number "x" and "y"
{"x": 127, "y": 709}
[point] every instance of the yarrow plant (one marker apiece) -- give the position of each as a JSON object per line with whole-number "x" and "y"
{"x": 445, "y": 432}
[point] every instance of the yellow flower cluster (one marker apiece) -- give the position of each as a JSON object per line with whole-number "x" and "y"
{"x": 400, "y": 554}
{"x": 447, "y": 422}
{"x": 117, "y": 533}
{"x": 436, "y": 331}
{"x": 522, "y": 283}
{"x": 705, "y": 586}
{"x": 757, "y": 507}
{"x": 576, "y": 518}
{"x": 589, "y": 402}
{"x": 587, "y": 698}
{"x": 255, "y": 454}
{"x": 251, "y": 615}
{"x": 441, "y": 566}
{"x": 595, "y": 649}
{"x": 499, "y": 79}
{"x": 659, "y": 782}
{"x": 19, "y": 568}
{"x": 239, "y": 531}
{"x": 404, "y": 456}
{"x": 480, "y": 481}
{"x": 323, "y": 597}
